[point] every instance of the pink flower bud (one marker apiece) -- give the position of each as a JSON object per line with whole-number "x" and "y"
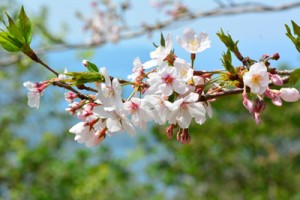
{"x": 247, "y": 103}
{"x": 274, "y": 95}
{"x": 257, "y": 118}
{"x": 276, "y": 79}
{"x": 289, "y": 94}
{"x": 169, "y": 131}
{"x": 259, "y": 105}
{"x": 185, "y": 136}
{"x": 276, "y": 56}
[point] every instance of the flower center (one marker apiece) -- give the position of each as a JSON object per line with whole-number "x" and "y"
{"x": 256, "y": 79}
{"x": 168, "y": 79}
{"x": 108, "y": 92}
{"x": 134, "y": 107}
{"x": 194, "y": 44}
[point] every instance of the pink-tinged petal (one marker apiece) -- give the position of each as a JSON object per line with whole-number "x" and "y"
{"x": 200, "y": 120}
{"x": 113, "y": 125}
{"x": 276, "y": 100}
{"x": 257, "y": 118}
{"x": 77, "y": 128}
{"x": 197, "y": 109}
{"x": 179, "y": 86}
{"x": 185, "y": 119}
{"x": 289, "y": 94}
{"x": 104, "y": 72}
{"x": 192, "y": 97}
{"x": 166, "y": 89}
{"x": 33, "y": 99}
{"x": 258, "y": 67}
{"x": 150, "y": 64}
{"x": 208, "y": 109}
{"x": 168, "y": 43}
{"x": 128, "y": 127}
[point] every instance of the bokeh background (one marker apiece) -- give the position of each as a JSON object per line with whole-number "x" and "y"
{"x": 229, "y": 157}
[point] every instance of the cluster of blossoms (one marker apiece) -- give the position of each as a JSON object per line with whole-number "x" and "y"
{"x": 258, "y": 79}
{"x": 166, "y": 89}
{"x": 106, "y": 22}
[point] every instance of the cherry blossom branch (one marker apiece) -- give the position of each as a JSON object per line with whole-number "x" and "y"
{"x": 232, "y": 10}
{"x": 234, "y": 91}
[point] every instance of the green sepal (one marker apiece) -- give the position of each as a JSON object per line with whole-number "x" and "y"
{"x": 24, "y": 25}
{"x": 162, "y": 40}
{"x": 294, "y": 77}
{"x": 80, "y": 78}
{"x": 227, "y": 62}
{"x": 92, "y": 67}
{"x": 295, "y": 40}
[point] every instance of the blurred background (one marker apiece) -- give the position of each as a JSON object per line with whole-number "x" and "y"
{"x": 229, "y": 156}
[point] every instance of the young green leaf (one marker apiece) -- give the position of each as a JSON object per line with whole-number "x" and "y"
{"x": 230, "y": 44}
{"x": 8, "y": 43}
{"x": 227, "y": 62}
{"x": 92, "y": 67}
{"x": 294, "y": 77}
{"x": 295, "y": 40}
{"x": 13, "y": 30}
{"x": 24, "y": 25}
{"x": 162, "y": 40}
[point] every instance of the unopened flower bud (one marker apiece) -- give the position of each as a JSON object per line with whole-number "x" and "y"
{"x": 185, "y": 136}
{"x": 259, "y": 105}
{"x": 179, "y": 133}
{"x": 276, "y": 79}
{"x": 289, "y": 94}
{"x": 247, "y": 103}
{"x": 276, "y": 56}
{"x": 85, "y": 63}
{"x": 169, "y": 131}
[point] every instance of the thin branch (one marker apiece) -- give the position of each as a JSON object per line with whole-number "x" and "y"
{"x": 233, "y": 10}
{"x": 230, "y": 92}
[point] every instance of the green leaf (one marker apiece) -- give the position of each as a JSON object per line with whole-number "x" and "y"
{"x": 9, "y": 43}
{"x": 80, "y": 78}
{"x": 13, "y": 30}
{"x": 227, "y": 62}
{"x": 24, "y": 25}
{"x": 162, "y": 40}
{"x": 92, "y": 67}
{"x": 294, "y": 77}
{"x": 228, "y": 41}
{"x": 295, "y": 40}
{"x": 296, "y": 29}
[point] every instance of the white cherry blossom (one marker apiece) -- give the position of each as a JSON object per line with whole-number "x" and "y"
{"x": 88, "y": 133}
{"x": 34, "y": 93}
{"x": 184, "y": 109}
{"x": 193, "y": 42}
{"x": 160, "y": 53}
{"x": 166, "y": 81}
{"x": 115, "y": 119}
{"x": 137, "y": 70}
{"x": 257, "y": 78}
{"x": 139, "y": 110}
{"x": 109, "y": 93}
{"x": 160, "y": 107}
{"x": 184, "y": 69}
